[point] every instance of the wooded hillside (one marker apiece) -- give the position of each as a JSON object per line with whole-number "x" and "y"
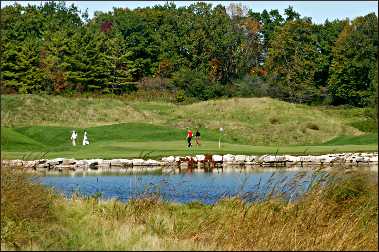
{"x": 200, "y": 51}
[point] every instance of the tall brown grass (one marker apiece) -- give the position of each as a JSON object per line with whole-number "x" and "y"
{"x": 25, "y": 208}
{"x": 339, "y": 212}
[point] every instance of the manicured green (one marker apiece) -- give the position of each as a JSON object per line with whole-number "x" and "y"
{"x": 134, "y": 140}
{"x": 40, "y": 126}
{"x": 253, "y": 121}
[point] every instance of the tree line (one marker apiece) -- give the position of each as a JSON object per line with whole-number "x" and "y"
{"x": 200, "y": 51}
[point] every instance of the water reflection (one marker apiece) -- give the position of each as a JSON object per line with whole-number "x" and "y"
{"x": 186, "y": 185}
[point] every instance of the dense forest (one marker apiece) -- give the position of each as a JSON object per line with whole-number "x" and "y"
{"x": 200, "y": 51}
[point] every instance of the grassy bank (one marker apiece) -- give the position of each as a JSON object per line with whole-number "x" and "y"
{"x": 132, "y": 140}
{"x": 258, "y": 121}
{"x": 341, "y": 216}
{"x": 35, "y": 125}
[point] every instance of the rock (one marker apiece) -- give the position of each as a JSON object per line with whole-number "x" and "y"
{"x": 82, "y": 163}
{"x": 30, "y": 164}
{"x": 169, "y": 159}
{"x": 240, "y": 158}
{"x": 42, "y": 161}
{"x": 327, "y": 158}
{"x": 93, "y": 166}
{"x": 305, "y": 158}
{"x": 362, "y": 159}
{"x": 55, "y": 161}
{"x": 290, "y": 158}
{"x": 105, "y": 164}
{"x": 138, "y": 162}
{"x": 261, "y": 158}
{"x": 251, "y": 158}
{"x": 89, "y": 163}
{"x": 229, "y": 158}
{"x": 200, "y": 157}
{"x": 267, "y": 158}
{"x": 42, "y": 166}
{"x": 69, "y": 162}
{"x": 217, "y": 158}
{"x": 121, "y": 162}
{"x": 151, "y": 162}
{"x": 16, "y": 163}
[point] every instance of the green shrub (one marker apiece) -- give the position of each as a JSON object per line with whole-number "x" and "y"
{"x": 180, "y": 96}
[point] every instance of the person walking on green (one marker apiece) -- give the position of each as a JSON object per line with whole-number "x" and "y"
{"x": 197, "y": 137}
{"x": 74, "y": 135}
{"x": 189, "y": 137}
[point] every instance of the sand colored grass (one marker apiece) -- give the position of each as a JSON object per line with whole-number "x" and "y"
{"x": 341, "y": 216}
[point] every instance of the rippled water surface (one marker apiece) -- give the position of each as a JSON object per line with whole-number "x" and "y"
{"x": 186, "y": 186}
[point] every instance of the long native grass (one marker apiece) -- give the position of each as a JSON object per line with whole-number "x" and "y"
{"x": 338, "y": 211}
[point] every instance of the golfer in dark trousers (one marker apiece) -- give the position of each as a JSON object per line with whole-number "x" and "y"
{"x": 189, "y": 137}
{"x": 197, "y": 137}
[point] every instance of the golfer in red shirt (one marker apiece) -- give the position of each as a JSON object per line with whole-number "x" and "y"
{"x": 189, "y": 137}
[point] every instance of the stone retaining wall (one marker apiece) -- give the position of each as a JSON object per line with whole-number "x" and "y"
{"x": 198, "y": 161}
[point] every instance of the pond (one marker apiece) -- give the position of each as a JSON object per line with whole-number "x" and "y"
{"x": 186, "y": 186}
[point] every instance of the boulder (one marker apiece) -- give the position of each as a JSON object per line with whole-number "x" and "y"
{"x": 270, "y": 158}
{"x": 42, "y": 166}
{"x": 16, "y": 163}
{"x": 55, "y": 161}
{"x": 362, "y": 159}
{"x": 200, "y": 157}
{"x": 305, "y": 158}
{"x": 105, "y": 163}
{"x": 290, "y": 158}
{"x": 327, "y": 158}
{"x": 69, "y": 162}
{"x": 169, "y": 159}
{"x": 240, "y": 158}
{"x": 121, "y": 162}
{"x": 229, "y": 158}
{"x": 41, "y": 161}
{"x": 217, "y": 158}
{"x": 82, "y": 163}
{"x": 151, "y": 162}
{"x": 138, "y": 162}
{"x": 251, "y": 158}
{"x": 30, "y": 164}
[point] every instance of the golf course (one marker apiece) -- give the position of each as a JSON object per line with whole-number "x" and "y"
{"x": 39, "y": 126}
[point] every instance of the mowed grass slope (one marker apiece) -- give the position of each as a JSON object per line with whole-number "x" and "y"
{"x": 132, "y": 140}
{"x": 33, "y": 125}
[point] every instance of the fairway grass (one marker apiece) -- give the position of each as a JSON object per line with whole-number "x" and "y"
{"x": 252, "y": 121}
{"x": 35, "y": 126}
{"x": 158, "y": 149}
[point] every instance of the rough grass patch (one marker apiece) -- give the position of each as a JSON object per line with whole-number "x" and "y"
{"x": 25, "y": 207}
{"x": 274, "y": 120}
{"x": 312, "y": 126}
